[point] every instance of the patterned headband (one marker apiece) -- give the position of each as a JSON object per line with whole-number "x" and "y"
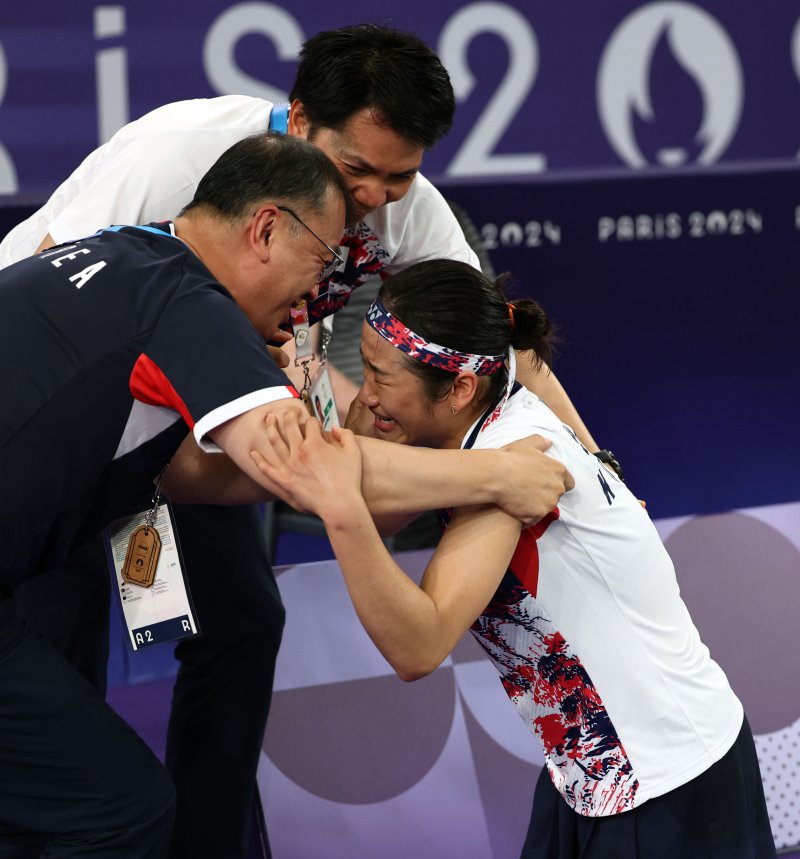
{"x": 392, "y": 329}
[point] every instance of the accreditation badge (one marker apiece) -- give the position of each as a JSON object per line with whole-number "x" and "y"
{"x": 317, "y": 391}
{"x": 321, "y": 398}
{"x": 145, "y": 562}
{"x": 304, "y": 346}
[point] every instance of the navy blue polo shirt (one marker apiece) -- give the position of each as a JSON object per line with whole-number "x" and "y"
{"x": 112, "y": 348}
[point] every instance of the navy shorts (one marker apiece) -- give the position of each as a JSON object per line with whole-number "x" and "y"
{"x": 721, "y": 814}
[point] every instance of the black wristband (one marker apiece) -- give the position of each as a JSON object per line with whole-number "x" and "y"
{"x": 608, "y": 457}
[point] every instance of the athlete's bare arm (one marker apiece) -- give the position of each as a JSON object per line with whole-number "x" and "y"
{"x": 414, "y": 627}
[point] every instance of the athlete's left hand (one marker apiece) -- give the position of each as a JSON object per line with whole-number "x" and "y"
{"x": 317, "y": 470}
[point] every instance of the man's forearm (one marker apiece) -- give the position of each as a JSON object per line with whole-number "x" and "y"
{"x": 402, "y": 479}
{"x": 196, "y": 477}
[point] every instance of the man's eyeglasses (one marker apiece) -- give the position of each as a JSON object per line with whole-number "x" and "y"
{"x": 330, "y": 267}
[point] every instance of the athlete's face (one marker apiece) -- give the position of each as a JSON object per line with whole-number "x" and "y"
{"x": 377, "y": 164}
{"x": 397, "y": 399}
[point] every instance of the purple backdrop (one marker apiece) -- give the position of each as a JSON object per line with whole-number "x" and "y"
{"x": 676, "y": 301}
{"x": 676, "y": 297}
{"x": 557, "y": 87}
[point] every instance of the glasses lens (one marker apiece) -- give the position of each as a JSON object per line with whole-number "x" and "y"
{"x": 329, "y": 268}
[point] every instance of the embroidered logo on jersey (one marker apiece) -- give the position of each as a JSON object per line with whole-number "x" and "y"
{"x": 555, "y": 697}
{"x": 366, "y": 257}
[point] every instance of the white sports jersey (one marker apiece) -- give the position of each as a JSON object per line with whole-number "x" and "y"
{"x": 593, "y": 642}
{"x": 149, "y": 170}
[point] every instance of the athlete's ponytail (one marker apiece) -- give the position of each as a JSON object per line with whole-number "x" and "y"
{"x": 531, "y": 330}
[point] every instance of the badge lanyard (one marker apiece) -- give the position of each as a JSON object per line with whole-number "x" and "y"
{"x": 317, "y": 391}
{"x": 144, "y": 546}
{"x": 511, "y": 367}
{"x": 493, "y": 412}
{"x": 146, "y": 565}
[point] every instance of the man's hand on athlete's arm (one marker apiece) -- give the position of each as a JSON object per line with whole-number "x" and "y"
{"x": 537, "y": 481}
{"x": 400, "y": 480}
{"x": 197, "y": 477}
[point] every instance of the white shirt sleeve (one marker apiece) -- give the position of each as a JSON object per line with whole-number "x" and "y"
{"x": 148, "y": 171}
{"x": 145, "y": 179}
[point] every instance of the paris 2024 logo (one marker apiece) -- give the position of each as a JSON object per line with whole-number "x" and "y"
{"x": 670, "y": 87}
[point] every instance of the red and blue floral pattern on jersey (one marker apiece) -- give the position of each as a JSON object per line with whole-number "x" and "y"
{"x": 558, "y": 702}
{"x": 366, "y": 258}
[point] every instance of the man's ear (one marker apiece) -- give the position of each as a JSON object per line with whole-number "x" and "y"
{"x": 260, "y": 232}
{"x": 299, "y": 125}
